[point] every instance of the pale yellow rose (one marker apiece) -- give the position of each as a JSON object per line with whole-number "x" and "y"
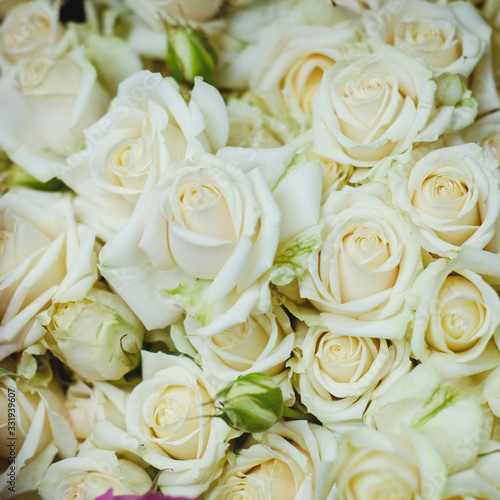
{"x": 457, "y": 315}
{"x": 290, "y": 461}
{"x": 450, "y": 38}
{"x": 28, "y": 29}
{"x": 372, "y": 465}
{"x": 170, "y": 425}
{"x": 360, "y": 277}
{"x": 451, "y": 197}
{"x": 486, "y": 133}
{"x": 338, "y": 375}
{"x": 262, "y": 343}
{"x": 292, "y": 61}
{"x": 91, "y": 474}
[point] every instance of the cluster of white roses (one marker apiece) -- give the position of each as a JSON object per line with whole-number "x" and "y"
{"x": 321, "y": 206}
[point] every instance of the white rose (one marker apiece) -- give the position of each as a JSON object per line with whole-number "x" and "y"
{"x": 360, "y": 277}
{"x": 32, "y": 433}
{"x": 170, "y": 425}
{"x": 51, "y": 101}
{"x": 451, "y": 38}
{"x": 85, "y": 404}
{"x": 98, "y": 337}
{"x": 290, "y": 461}
{"x": 371, "y": 106}
{"x": 450, "y": 420}
{"x": 148, "y": 126}
{"x": 292, "y": 60}
{"x": 91, "y": 474}
{"x": 210, "y": 227}
{"x": 27, "y": 30}
{"x": 45, "y": 255}
{"x": 262, "y": 343}
{"x": 457, "y": 315}
{"x": 451, "y": 197}
{"x": 155, "y": 12}
{"x": 486, "y": 133}
{"x": 374, "y": 104}
{"x": 372, "y": 465}
{"x": 480, "y": 481}
{"x": 338, "y": 375}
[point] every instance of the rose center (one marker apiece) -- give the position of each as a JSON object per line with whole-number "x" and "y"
{"x": 33, "y": 72}
{"x": 205, "y": 211}
{"x": 72, "y": 493}
{"x": 125, "y": 158}
{"x": 421, "y": 32}
{"x": 445, "y": 188}
{"x": 366, "y": 247}
{"x": 365, "y": 87}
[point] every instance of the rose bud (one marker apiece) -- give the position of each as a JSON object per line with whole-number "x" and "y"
{"x": 98, "y": 337}
{"x": 252, "y": 403}
{"x": 189, "y": 54}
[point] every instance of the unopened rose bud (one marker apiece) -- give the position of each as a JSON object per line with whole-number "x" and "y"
{"x": 189, "y": 54}
{"x": 98, "y": 336}
{"x": 252, "y": 403}
{"x": 450, "y": 89}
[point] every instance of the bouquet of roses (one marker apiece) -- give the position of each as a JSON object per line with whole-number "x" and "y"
{"x": 250, "y": 249}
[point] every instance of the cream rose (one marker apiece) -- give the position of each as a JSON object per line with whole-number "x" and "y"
{"x": 32, "y": 433}
{"x": 27, "y": 29}
{"x": 374, "y": 104}
{"x": 451, "y": 197}
{"x": 51, "y": 101}
{"x": 210, "y": 227}
{"x": 486, "y": 133}
{"x": 170, "y": 425}
{"x": 45, "y": 255}
{"x": 372, "y": 464}
{"x": 450, "y": 38}
{"x": 154, "y": 12}
{"x": 368, "y": 260}
{"x": 148, "y": 126}
{"x": 91, "y": 474}
{"x": 337, "y": 375}
{"x": 292, "y": 62}
{"x": 457, "y": 315}
{"x": 449, "y": 419}
{"x": 371, "y": 106}
{"x": 291, "y": 461}
{"x": 480, "y": 481}
{"x": 262, "y": 343}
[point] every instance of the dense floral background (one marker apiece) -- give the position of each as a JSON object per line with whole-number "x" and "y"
{"x": 250, "y": 249}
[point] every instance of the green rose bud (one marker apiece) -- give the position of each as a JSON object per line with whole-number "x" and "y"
{"x": 252, "y": 403}
{"x": 189, "y": 54}
{"x": 98, "y": 337}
